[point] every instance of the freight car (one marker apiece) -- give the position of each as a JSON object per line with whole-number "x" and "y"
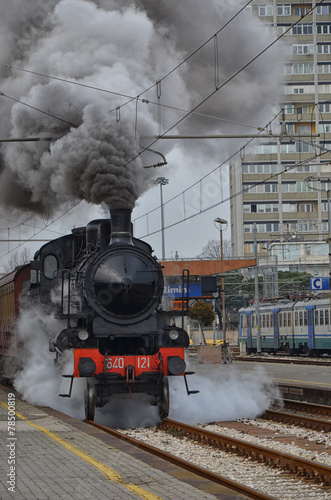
{"x": 110, "y": 291}
{"x": 296, "y": 327}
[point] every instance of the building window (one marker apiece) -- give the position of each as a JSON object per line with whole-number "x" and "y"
{"x": 323, "y": 29}
{"x": 303, "y": 49}
{"x": 302, "y": 29}
{"x": 302, "y": 187}
{"x": 306, "y": 207}
{"x": 289, "y": 207}
{"x": 325, "y": 108}
{"x": 288, "y": 109}
{"x": 324, "y": 69}
{"x": 303, "y": 147}
{"x": 324, "y": 128}
{"x": 300, "y": 11}
{"x": 266, "y": 10}
{"x": 299, "y": 69}
{"x": 324, "y": 48}
{"x": 323, "y": 10}
{"x": 284, "y": 10}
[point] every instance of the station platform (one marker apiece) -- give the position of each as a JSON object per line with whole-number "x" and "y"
{"x": 46, "y": 455}
{"x": 307, "y": 382}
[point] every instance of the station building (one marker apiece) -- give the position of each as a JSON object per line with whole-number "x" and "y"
{"x": 283, "y": 183}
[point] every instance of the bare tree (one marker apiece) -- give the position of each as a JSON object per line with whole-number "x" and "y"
{"x": 213, "y": 250}
{"x": 17, "y": 259}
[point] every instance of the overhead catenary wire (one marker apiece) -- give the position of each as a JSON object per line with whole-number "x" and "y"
{"x": 192, "y": 111}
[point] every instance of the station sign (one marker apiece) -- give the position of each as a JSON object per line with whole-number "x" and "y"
{"x": 176, "y": 290}
{"x": 319, "y": 283}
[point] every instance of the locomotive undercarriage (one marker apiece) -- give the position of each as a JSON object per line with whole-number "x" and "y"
{"x": 98, "y": 393}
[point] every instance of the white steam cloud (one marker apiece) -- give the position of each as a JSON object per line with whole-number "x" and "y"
{"x": 124, "y": 48}
{"x": 225, "y": 393}
{"x": 39, "y": 381}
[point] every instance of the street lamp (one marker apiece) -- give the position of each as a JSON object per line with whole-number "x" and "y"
{"x": 162, "y": 181}
{"x": 219, "y": 223}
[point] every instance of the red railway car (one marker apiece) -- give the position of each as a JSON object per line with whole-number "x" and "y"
{"x": 11, "y": 287}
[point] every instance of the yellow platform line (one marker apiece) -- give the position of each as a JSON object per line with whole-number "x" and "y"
{"x": 111, "y": 474}
{"x": 301, "y": 381}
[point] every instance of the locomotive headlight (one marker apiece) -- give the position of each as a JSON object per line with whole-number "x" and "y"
{"x": 82, "y": 335}
{"x": 173, "y": 334}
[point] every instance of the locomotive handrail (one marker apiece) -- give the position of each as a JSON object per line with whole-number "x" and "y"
{"x": 64, "y": 273}
{"x": 186, "y": 384}
{"x": 70, "y": 388}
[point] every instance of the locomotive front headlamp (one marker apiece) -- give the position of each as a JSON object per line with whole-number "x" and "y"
{"x": 82, "y": 335}
{"x": 176, "y": 365}
{"x": 173, "y": 334}
{"x": 86, "y": 367}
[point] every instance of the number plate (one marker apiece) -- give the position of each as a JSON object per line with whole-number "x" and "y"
{"x": 119, "y": 363}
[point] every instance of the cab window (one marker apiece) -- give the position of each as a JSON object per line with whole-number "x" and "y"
{"x": 50, "y": 267}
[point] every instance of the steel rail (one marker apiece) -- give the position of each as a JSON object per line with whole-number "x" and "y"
{"x": 294, "y": 464}
{"x": 307, "y": 407}
{"x": 300, "y": 420}
{"x": 179, "y": 462}
{"x": 284, "y": 360}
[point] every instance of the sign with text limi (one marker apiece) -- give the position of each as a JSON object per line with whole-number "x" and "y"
{"x": 320, "y": 283}
{"x": 176, "y": 290}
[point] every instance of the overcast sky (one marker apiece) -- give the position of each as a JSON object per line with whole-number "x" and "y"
{"x": 101, "y": 140}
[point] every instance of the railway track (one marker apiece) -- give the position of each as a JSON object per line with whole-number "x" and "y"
{"x": 302, "y": 420}
{"x": 301, "y": 467}
{"x": 313, "y": 408}
{"x": 195, "y": 469}
{"x": 294, "y": 465}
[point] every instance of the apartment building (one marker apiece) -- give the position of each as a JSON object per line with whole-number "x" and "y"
{"x": 281, "y": 184}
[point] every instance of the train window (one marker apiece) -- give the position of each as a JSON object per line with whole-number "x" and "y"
{"x": 50, "y": 267}
{"x": 280, "y": 320}
{"x": 296, "y": 316}
{"x": 253, "y": 321}
{"x": 326, "y": 316}
{"x": 316, "y": 317}
{"x": 289, "y": 319}
{"x": 301, "y": 318}
{"x": 33, "y": 276}
{"x": 271, "y": 320}
{"x": 321, "y": 316}
{"x": 305, "y": 317}
{"x": 268, "y": 320}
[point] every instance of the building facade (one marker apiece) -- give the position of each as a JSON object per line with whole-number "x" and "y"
{"x": 280, "y": 187}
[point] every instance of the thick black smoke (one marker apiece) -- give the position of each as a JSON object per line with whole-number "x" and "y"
{"x": 124, "y": 47}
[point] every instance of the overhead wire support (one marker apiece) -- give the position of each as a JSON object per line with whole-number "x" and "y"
{"x": 211, "y": 94}
{"x": 217, "y": 76}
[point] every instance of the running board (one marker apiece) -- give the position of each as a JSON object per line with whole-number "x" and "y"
{"x": 186, "y": 384}
{"x": 70, "y": 388}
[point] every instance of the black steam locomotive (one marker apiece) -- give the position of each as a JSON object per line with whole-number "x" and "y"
{"x": 110, "y": 289}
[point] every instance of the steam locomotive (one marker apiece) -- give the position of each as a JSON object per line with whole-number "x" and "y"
{"x": 110, "y": 290}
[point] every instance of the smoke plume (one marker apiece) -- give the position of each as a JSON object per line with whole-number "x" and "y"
{"x": 98, "y": 138}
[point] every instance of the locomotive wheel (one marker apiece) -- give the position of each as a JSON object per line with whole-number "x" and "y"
{"x": 164, "y": 404}
{"x": 90, "y": 397}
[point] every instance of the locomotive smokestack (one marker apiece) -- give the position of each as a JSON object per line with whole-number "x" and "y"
{"x": 120, "y": 224}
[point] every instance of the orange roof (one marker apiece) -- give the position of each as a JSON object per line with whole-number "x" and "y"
{"x": 204, "y": 267}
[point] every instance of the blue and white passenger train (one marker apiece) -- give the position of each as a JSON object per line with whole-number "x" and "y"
{"x": 297, "y": 327}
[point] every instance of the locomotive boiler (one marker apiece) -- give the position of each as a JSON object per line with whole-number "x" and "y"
{"x": 110, "y": 291}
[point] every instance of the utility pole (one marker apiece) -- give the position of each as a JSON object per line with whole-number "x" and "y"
{"x": 162, "y": 181}
{"x": 226, "y": 356}
{"x": 257, "y": 298}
